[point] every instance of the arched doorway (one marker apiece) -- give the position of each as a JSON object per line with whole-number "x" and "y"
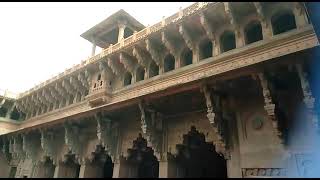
{"x": 45, "y": 169}
{"x": 197, "y": 158}
{"x": 141, "y": 162}
{"x": 102, "y": 163}
{"x": 70, "y": 168}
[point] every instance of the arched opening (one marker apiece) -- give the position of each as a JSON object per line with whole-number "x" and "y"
{"x": 186, "y": 57}
{"x": 253, "y": 32}
{"x": 228, "y": 41}
{"x": 127, "y": 79}
{"x": 101, "y": 165}
{"x": 71, "y": 167}
{"x": 205, "y": 49}
{"x": 99, "y": 77}
{"x": 169, "y": 63}
{"x": 127, "y": 32}
{"x": 45, "y": 169}
{"x": 3, "y": 111}
{"x": 198, "y": 158}
{"x": 141, "y": 162}
{"x": 15, "y": 115}
{"x": 140, "y": 74}
{"x": 282, "y": 22}
{"x": 153, "y": 69}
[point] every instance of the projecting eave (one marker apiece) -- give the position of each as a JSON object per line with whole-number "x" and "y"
{"x": 108, "y": 24}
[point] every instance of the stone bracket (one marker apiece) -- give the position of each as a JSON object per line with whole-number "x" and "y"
{"x": 154, "y": 52}
{"x": 308, "y": 98}
{"x": 269, "y": 104}
{"x": 107, "y": 133}
{"x": 48, "y": 145}
{"x": 152, "y": 127}
{"x": 72, "y": 139}
{"x": 215, "y": 120}
{"x": 29, "y": 146}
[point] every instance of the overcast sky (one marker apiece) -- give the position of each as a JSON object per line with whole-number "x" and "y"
{"x": 40, "y": 40}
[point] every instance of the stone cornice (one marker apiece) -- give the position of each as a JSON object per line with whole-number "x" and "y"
{"x": 128, "y": 42}
{"x": 280, "y": 45}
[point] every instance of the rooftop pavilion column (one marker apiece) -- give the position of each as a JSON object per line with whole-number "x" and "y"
{"x": 93, "y": 51}
{"x": 122, "y": 26}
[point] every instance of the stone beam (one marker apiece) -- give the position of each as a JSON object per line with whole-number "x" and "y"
{"x": 154, "y": 51}
{"x": 142, "y": 57}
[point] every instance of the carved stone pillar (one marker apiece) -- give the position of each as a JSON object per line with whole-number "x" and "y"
{"x": 87, "y": 170}
{"x": 308, "y": 98}
{"x": 122, "y": 27}
{"x": 93, "y": 51}
{"x": 167, "y": 168}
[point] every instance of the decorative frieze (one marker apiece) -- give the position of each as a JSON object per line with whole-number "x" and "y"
{"x": 263, "y": 172}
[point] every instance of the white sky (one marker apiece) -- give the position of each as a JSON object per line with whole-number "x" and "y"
{"x": 40, "y": 40}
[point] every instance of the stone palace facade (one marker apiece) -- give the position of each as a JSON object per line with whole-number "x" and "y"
{"x": 211, "y": 91}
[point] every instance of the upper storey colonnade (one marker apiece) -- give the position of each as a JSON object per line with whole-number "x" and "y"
{"x": 136, "y": 54}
